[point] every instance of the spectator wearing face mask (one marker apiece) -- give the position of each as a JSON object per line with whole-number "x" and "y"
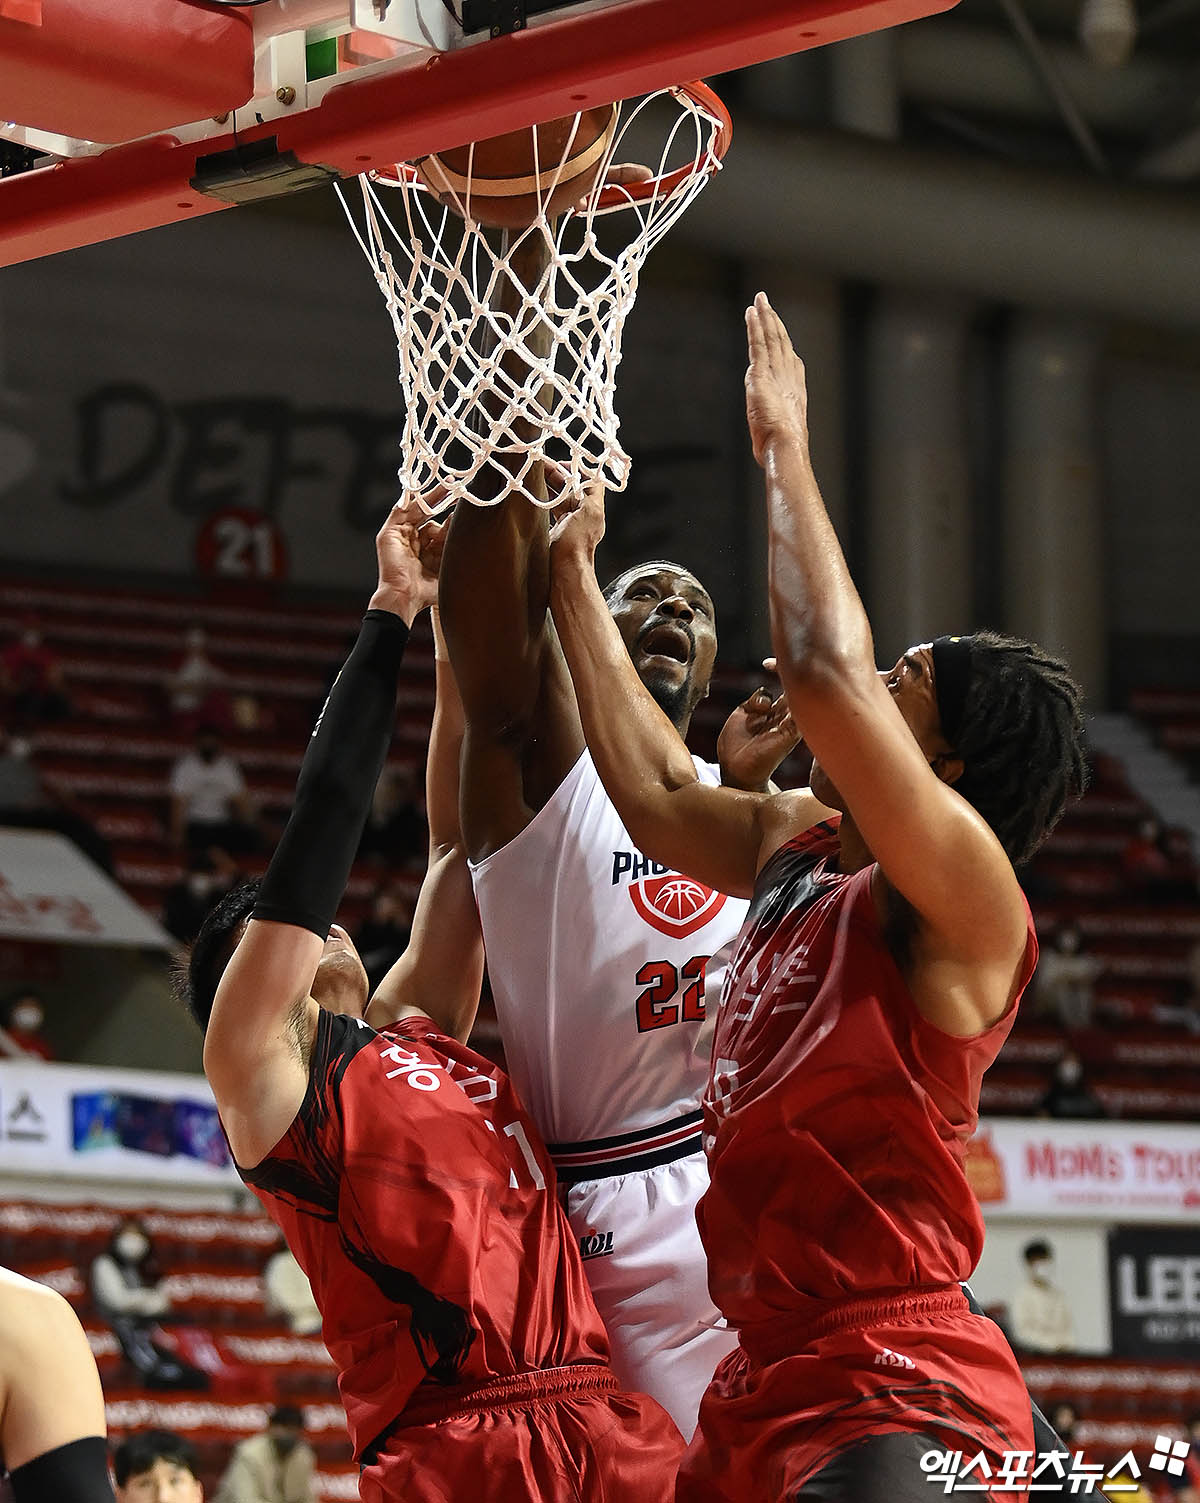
{"x": 21, "y": 1033}
{"x": 275, "y": 1467}
{"x": 1041, "y": 1318}
{"x": 210, "y": 805}
{"x": 1069, "y": 1096}
{"x": 129, "y": 1294}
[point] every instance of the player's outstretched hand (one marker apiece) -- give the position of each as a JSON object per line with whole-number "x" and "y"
{"x": 577, "y": 521}
{"x": 409, "y": 547}
{"x": 776, "y": 393}
{"x": 755, "y": 739}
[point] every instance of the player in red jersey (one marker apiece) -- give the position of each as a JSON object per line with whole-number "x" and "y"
{"x": 409, "y": 1182}
{"x": 875, "y": 980}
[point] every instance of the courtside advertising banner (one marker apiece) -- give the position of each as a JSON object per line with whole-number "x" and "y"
{"x": 1108, "y": 1171}
{"x": 1154, "y": 1282}
{"x": 52, "y": 894}
{"x": 101, "y": 1124}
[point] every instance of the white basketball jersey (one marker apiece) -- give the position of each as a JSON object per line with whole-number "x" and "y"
{"x": 599, "y": 964}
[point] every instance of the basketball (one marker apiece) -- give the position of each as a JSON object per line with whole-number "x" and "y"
{"x": 505, "y": 181}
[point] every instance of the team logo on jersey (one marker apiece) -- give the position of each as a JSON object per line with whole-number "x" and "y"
{"x": 675, "y": 905}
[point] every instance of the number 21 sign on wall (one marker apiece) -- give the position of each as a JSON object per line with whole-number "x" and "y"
{"x": 240, "y": 544}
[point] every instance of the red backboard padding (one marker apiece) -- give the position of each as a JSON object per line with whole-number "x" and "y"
{"x": 431, "y": 102}
{"x": 115, "y": 72}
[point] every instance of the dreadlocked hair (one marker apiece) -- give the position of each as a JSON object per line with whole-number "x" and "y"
{"x": 210, "y": 951}
{"x": 1021, "y": 740}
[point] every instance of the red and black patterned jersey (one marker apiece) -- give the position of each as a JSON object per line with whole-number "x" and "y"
{"x": 420, "y": 1201}
{"x": 836, "y": 1116}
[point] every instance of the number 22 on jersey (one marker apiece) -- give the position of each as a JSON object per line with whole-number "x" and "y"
{"x": 662, "y": 984}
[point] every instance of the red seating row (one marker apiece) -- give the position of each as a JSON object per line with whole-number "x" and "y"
{"x": 82, "y": 1230}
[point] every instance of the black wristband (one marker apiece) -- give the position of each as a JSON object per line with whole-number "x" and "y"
{"x": 74, "y": 1473}
{"x": 349, "y": 745}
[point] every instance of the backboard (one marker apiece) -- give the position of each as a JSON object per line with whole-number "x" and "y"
{"x": 153, "y": 111}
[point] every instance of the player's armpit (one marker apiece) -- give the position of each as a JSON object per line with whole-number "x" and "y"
{"x": 786, "y": 814}
{"x": 256, "y": 1043}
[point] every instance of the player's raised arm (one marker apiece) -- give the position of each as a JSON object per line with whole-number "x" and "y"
{"x": 262, "y": 1014}
{"x": 713, "y": 834}
{"x": 892, "y": 770}
{"x": 441, "y": 970}
{"x": 522, "y": 727}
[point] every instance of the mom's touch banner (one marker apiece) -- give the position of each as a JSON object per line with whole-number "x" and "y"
{"x": 1096, "y": 1170}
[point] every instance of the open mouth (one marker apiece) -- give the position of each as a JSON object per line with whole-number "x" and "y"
{"x": 668, "y": 640}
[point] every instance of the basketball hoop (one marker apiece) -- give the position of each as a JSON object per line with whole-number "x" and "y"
{"x": 439, "y": 271}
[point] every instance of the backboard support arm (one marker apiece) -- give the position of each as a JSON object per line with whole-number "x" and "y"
{"x": 432, "y": 102}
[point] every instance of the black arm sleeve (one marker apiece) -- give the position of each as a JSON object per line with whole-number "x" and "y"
{"x": 74, "y": 1473}
{"x": 311, "y": 865}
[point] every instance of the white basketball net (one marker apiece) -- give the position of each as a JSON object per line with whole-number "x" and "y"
{"x": 440, "y": 277}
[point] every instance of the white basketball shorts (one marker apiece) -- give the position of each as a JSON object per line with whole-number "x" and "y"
{"x": 646, "y": 1267}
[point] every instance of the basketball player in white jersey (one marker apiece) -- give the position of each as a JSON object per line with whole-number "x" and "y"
{"x": 598, "y": 958}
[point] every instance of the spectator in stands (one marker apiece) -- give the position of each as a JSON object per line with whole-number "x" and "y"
{"x": 210, "y": 805}
{"x": 1156, "y": 866}
{"x": 128, "y": 1290}
{"x": 1065, "y": 1419}
{"x": 384, "y": 934}
{"x": 275, "y": 1467}
{"x": 289, "y": 1294}
{"x": 197, "y": 689}
{"x": 1065, "y": 979}
{"x": 28, "y": 802}
{"x": 157, "y": 1466}
{"x": 52, "y": 1428}
{"x": 21, "y": 1033}
{"x": 210, "y": 875}
{"x": 396, "y": 831}
{"x": 31, "y": 682}
{"x": 21, "y": 1030}
{"x": 1041, "y": 1318}
{"x": 21, "y": 787}
{"x": 1069, "y": 1095}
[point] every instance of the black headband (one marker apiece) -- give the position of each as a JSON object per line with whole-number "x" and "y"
{"x": 951, "y": 680}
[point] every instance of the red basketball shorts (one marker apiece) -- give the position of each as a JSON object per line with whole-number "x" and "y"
{"x": 565, "y": 1435}
{"x": 798, "y": 1393}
